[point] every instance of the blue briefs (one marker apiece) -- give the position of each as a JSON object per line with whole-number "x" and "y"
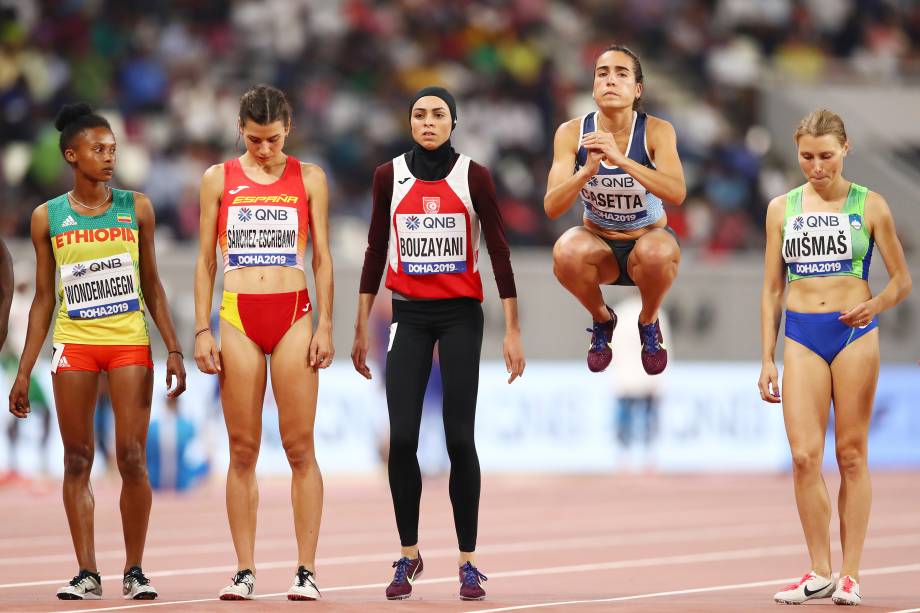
{"x": 824, "y": 333}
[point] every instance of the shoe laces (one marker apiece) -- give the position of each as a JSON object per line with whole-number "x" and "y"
{"x": 402, "y": 569}
{"x": 240, "y": 577}
{"x": 471, "y": 575}
{"x": 649, "y": 335}
{"x": 795, "y": 585}
{"x": 136, "y": 574}
{"x": 599, "y": 335}
{"x": 303, "y": 575}
{"x": 84, "y": 574}
{"x": 848, "y": 584}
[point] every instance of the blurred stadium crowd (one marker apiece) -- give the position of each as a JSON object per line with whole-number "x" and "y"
{"x": 169, "y": 75}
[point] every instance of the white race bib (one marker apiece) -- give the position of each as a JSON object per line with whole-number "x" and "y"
{"x": 432, "y": 243}
{"x": 615, "y": 198}
{"x": 99, "y": 288}
{"x": 818, "y": 244}
{"x": 262, "y": 236}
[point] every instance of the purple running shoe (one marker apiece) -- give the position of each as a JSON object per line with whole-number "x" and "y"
{"x": 471, "y": 583}
{"x": 599, "y": 353}
{"x": 407, "y": 571}
{"x": 654, "y": 355}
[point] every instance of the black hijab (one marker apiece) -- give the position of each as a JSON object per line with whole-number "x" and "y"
{"x": 433, "y": 165}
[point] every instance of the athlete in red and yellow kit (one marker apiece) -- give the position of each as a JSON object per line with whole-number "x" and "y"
{"x": 258, "y": 209}
{"x": 101, "y": 248}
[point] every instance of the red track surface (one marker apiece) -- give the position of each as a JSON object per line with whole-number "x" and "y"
{"x": 620, "y": 541}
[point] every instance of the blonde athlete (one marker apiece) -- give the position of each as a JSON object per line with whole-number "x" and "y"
{"x": 819, "y": 239}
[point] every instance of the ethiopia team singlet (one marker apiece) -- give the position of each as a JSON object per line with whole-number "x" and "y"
{"x": 434, "y": 235}
{"x": 98, "y": 264}
{"x": 263, "y": 224}
{"x": 614, "y": 199}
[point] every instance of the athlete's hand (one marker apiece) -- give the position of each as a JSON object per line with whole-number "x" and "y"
{"x": 19, "y": 397}
{"x": 321, "y": 350}
{"x": 593, "y": 163}
{"x": 861, "y": 315}
{"x": 175, "y": 367}
{"x": 769, "y": 383}
{"x": 604, "y": 143}
{"x": 359, "y": 354}
{"x": 513, "y": 351}
{"x": 207, "y": 357}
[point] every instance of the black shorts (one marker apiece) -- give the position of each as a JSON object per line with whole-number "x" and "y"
{"x": 621, "y": 250}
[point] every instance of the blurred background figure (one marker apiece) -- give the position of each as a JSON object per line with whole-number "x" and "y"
{"x": 41, "y": 408}
{"x": 636, "y": 395}
{"x": 176, "y": 460}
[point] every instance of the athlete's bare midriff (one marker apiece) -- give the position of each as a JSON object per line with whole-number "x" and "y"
{"x": 626, "y": 235}
{"x": 826, "y": 294}
{"x": 265, "y": 280}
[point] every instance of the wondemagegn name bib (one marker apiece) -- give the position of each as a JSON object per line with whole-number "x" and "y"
{"x": 101, "y": 287}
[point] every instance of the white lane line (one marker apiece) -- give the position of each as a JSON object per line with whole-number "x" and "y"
{"x": 715, "y": 556}
{"x": 635, "y": 538}
{"x": 641, "y": 538}
{"x": 734, "y": 554}
{"x": 887, "y": 570}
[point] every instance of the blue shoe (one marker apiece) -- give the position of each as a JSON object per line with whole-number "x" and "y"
{"x": 599, "y": 353}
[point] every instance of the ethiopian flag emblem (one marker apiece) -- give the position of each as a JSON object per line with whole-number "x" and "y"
{"x": 123, "y": 219}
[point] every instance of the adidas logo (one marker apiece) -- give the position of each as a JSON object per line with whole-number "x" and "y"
{"x": 70, "y": 221}
{"x": 63, "y": 362}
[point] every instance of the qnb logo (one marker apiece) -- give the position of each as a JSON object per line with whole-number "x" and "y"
{"x": 593, "y": 182}
{"x": 798, "y": 223}
{"x": 412, "y": 222}
{"x": 245, "y": 214}
{"x": 79, "y": 270}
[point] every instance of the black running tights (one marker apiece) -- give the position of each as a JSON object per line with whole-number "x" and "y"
{"x": 456, "y": 325}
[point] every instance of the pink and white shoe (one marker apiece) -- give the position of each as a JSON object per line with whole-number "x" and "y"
{"x": 847, "y": 591}
{"x": 810, "y": 586}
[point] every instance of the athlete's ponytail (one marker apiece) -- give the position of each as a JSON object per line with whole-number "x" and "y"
{"x": 73, "y": 119}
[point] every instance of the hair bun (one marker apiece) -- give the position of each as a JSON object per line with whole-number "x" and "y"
{"x": 69, "y": 113}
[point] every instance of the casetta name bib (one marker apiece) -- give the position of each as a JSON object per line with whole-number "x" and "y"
{"x": 434, "y": 235}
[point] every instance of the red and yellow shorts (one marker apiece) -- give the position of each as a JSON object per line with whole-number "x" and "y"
{"x": 93, "y": 358}
{"x": 264, "y": 318}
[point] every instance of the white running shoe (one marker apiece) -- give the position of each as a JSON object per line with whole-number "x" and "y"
{"x": 243, "y": 587}
{"x": 304, "y": 587}
{"x": 847, "y": 591}
{"x": 810, "y": 586}
{"x": 85, "y": 586}
{"x": 135, "y": 586}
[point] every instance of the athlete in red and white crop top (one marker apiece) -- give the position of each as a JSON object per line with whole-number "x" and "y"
{"x": 263, "y": 224}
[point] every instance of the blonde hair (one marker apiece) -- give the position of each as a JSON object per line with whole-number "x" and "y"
{"x": 821, "y": 122}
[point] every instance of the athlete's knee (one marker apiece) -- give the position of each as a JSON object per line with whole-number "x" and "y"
{"x": 851, "y": 457}
{"x": 402, "y": 443}
{"x": 460, "y": 445}
{"x": 132, "y": 461}
{"x": 244, "y": 453}
{"x": 806, "y": 461}
{"x": 568, "y": 254}
{"x": 300, "y": 451}
{"x": 655, "y": 255}
{"x": 78, "y": 461}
